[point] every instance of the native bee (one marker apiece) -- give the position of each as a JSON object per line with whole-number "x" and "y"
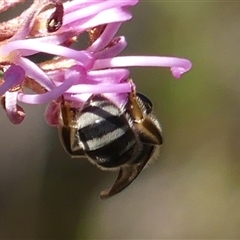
{"x": 112, "y": 137}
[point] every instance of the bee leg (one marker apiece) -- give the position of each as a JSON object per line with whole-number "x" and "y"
{"x": 125, "y": 177}
{"x": 150, "y": 131}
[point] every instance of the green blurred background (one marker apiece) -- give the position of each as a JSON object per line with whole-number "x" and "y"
{"x": 191, "y": 191}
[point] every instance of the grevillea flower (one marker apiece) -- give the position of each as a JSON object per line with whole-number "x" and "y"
{"x": 73, "y": 74}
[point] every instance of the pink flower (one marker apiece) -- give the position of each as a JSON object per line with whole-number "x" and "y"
{"x": 73, "y": 74}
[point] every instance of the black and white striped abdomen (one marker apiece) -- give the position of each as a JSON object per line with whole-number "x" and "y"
{"x": 105, "y": 133}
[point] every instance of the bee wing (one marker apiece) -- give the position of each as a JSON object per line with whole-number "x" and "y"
{"x": 150, "y": 132}
{"x": 125, "y": 177}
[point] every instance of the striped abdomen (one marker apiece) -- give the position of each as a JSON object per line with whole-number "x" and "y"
{"x": 105, "y": 133}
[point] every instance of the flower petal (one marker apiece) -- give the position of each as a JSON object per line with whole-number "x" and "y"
{"x": 177, "y": 65}
{"x": 71, "y": 79}
{"x": 118, "y": 44}
{"x": 52, "y": 114}
{"x": 33, "y": 71}
{"x": 105, "y": 38}
{"x": 14, "y": 112}
{"x": 14, "y": 75}
{"x": 94, "y": 9}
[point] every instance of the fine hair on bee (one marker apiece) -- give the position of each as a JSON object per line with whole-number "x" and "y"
{"x": 112, "y": 137}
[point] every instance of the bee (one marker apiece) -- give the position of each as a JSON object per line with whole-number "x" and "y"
{"x": 112, "y": 137}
